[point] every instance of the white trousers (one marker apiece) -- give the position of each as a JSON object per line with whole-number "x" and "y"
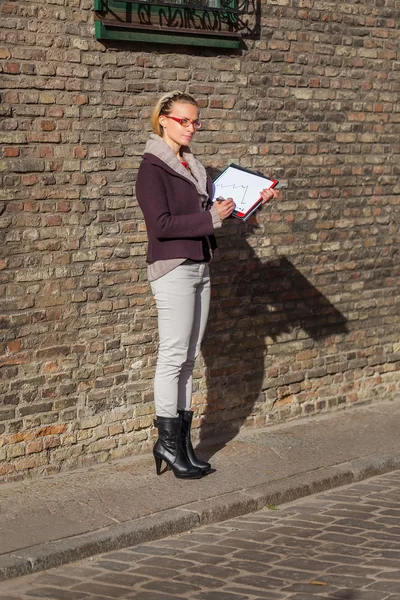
{"x": 183, "y": 300}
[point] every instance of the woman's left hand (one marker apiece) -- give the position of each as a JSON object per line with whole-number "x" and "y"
{"x": 267, "y": 195}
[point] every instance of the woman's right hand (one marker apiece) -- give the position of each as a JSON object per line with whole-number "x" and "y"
{"x": 225, "y": 208}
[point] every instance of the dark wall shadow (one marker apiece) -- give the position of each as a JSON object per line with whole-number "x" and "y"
{"x": 253, "y": 303}
{"x": 345, "y": 595}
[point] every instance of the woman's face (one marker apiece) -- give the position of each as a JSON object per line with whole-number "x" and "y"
{"x": 175, "y": 134}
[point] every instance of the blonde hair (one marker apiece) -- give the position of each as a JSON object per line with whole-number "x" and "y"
{"x": 164, "y": 105}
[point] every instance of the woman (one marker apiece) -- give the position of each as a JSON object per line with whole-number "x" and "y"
{"x": 174, "y": 191}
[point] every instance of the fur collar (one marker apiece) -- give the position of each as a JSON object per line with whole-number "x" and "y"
{"x": 198, "y": 176}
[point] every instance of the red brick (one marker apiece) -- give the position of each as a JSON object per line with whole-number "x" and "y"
{"x": 14, "y": 346}
{"x": 51, "y": 430}
{"x": 10, "y": 152}
{"x": 47, "y": 125}
{"x": 11, "y": 67}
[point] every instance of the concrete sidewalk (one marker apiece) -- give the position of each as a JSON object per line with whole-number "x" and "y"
{"x": 58, "y": 519}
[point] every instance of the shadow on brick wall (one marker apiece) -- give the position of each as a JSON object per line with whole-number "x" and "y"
{"x": 258, "y": 310}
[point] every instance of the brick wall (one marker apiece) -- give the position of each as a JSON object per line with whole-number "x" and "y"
{"x": 305, "y": 312}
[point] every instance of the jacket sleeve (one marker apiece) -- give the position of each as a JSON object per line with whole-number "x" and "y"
{"x": 152, "y": 199}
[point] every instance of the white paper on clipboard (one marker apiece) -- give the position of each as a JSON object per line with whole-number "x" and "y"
{"x": 243, "y": 187}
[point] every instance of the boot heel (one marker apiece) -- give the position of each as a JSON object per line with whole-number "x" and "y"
{"x": 158, "y": 461}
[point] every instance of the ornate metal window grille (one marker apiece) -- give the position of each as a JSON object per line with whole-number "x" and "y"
{"x": 233, "y": 6}
{"x": 197, "y": 22}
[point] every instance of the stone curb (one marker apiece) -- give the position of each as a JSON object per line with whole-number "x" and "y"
{"x": 190, "y": 516}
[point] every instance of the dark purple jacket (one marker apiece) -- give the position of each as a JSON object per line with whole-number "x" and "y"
{"x": 176, "y": 224}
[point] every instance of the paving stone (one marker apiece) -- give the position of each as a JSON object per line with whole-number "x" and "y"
{"x": 253, "y": 594}
{"x": 220, "y": 572}
{"x": 109, "y": 565}
{"x": 294, "y": 596}
{"x": 203, "y": 581}
{"x": 264, "y": 516}
{"x": 167, "y": 563}
{"x": 382, "y": 545}
{"x": 178, "y": 544}
{"x": 213, "y": 549}
{"x": 310, "y": 525}
{"x": 203, "y": 538}
{"x": 346, "y": 530}
{"x": 94, "y": 587}
{"x": 304, "y": 564}
{"x": 390, "y": 575}
{"x": 284, "y": 551}
{"x": 363, "y": 525}
{"x": 364, "y": 595}
{"x": 171, "y": 587}
{"x": 385, "y": 536}
{"x": 251, "y": 526}
{"x": 392, "y": 554}
{"x": 57, "y": 594}
{"x": 79, "y": 570}
{"x": 220, "y": 595}
{"x": 255, "y": 556}
{"x": 345, "y": 550}
{"x": 217, "y": 528}
{"x": 391, "y": 513}
{"x": 97, "y": 597}
{"x": 198, "y": 557}
{"x": 289, "y": 575}
{"x": 343, "y": 513}
{"x": 154, "y": 571}
{"x": 156, "y": 550}
{"x": 143, "y": 595}
{"x": 344, "y": 595}
{"x": 312, "y": 590}
{"x": 346, "y": 581}
{"x": 255, "y": 536}
{"x": 341, "y": 538}
{"x": 353, "y": 570}
{"x": 240, "y": 543}
{"x": 340, "y": 559}
{"x": 122, "y": 579}
{"x": 293, "y": 532}
{"x": 386, "y": 521}
{"x": 249, "y": 566}
{"x": 294, "y": 542}
{"x": 53, "y": 579}
{"x": 259, "y": 581}
{"x": 122, "y": 555}
{"x": 383, "y": 563}
{"x": 391, "y": 587}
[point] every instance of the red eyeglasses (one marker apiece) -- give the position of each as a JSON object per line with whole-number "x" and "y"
{"x": 185, "y": 122}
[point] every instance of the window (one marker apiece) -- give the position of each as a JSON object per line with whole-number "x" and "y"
{"x": 194, "y": 22}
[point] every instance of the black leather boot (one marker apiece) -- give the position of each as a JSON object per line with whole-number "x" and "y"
{"x": 187, "y": 417}
{"x": 169, "y": 448}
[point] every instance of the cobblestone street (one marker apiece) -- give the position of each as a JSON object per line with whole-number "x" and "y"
{"x": 343, "y": 544}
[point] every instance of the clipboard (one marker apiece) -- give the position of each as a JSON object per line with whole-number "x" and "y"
{"x": 243, "y": 185}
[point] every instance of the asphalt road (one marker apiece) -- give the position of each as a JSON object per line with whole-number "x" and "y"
{"x": 343, "y": 544}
